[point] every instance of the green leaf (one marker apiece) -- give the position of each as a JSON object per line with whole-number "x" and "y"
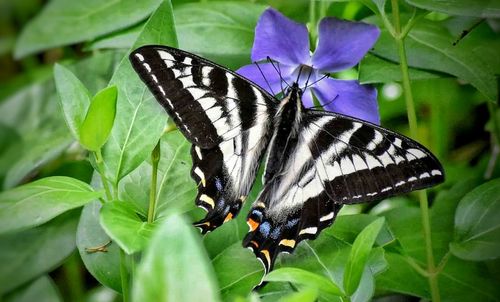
{"x": 479, "y": 8}
{"x": 220, "y": 31}
{"x": 34, "y": 151}
{"x": 359, "y": 255}
{"x": 104, "y": 266}
{"x": 237, "y": 270}
{"x": 305, "y": 295}
{"x": 477, "y": 227}
{"x": 121, "y": 39}
{"x": 373, "y": 69}
{"x": 66, "y": 22}
{"x": 28, "y": 254}
{"x": 140, "y": 120}
{"x": 74, "y": 98}
{"x": 121, "y": 222}
{"x": 38, "y": 202}
{"x": 304, "y": 278}
{"x": 429, "y": 45}
{"x": 347, "y": 228}
{"x": 174, "y": 262}
{"x": 99, "y": 120}
{"x": 42, "y": 289}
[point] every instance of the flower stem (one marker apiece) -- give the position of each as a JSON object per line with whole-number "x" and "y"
{"x": 100, "y": 168}
{"x": 124, "y": 276}
{"x": 155, "y": 158}
{"x": 412, "y": 121}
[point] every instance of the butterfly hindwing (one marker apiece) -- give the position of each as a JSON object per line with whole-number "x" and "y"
{"x": 225, "y": 117}
{"x": 337, "y": 160}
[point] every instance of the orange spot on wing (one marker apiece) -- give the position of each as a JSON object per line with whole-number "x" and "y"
{"x": 228, "y": 217}
{"x": 252, "y": 224}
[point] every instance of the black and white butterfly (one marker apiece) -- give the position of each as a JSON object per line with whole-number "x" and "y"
{"x": 316, "y": 161}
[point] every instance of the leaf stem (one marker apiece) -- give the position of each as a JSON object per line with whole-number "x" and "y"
{"x": 100, "y": 168}
{"x": 124, "y": 276}
{"x": 155, "y": 158}
{"x": 412, "y": 121}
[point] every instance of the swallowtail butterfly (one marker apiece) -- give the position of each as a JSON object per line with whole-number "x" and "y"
{"x": 316, "y": 161}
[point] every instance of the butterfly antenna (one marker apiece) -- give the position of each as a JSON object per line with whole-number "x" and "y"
{"x": 278, "y": 70}
{"x": 324, "y": 105}
{"x": 326, "y": 75}
{"x": 265, "y": 79}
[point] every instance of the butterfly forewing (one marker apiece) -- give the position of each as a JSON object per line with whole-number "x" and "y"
{"x": 337, "y": 160}
{"x": 227, "y": 119}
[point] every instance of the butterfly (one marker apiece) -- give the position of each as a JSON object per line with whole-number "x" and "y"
{"x": 315, "y": 161}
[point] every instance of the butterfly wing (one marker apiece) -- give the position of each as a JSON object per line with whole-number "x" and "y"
{"x": 337, "y": 160}
{"x": 226, "y": 118}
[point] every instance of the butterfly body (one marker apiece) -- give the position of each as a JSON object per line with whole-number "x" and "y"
{"x": 316, "y": 161}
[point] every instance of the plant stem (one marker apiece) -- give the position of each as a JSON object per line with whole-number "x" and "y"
{"x": 100, "y": 168}
{"x": 412, "y": 121}
{"x": 74, "y": 278}
{"x": 124, "y": 275}
{"x": 155, "y": 158}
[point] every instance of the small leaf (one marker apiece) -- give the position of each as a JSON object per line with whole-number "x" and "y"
{"x": 100, "y": 117}
{"x": 175, "y": 266}
{"x": 482, "y": 9}
{"x": 38, "y": 202}
{"x": 74, "y": 98}
{"x": 305, "y": 278}
{"x": 42, "y": 289}
{"x": 477, "y": 227}
{"x": 121, "y": 222}
{"x": 359, "y": 255}
{"x": 28, "y": 254}
{"x": 103, "y": 265}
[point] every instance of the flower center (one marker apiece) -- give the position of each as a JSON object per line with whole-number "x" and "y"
{"x": 304, "y": 74}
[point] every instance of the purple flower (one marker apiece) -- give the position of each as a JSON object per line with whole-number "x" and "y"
{"x": 342, "y": 44}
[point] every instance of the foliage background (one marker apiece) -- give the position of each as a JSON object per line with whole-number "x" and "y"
{"x": 55, "y": 213}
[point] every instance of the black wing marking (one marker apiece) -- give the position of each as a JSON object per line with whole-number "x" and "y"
{"x": 337, "y": 160}
{"x": 226, "y": 118}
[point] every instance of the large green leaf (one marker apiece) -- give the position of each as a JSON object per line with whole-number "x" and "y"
{"x": 28, "y": 254}
{"x": 429, "y": 45}
{"x": 42, "y": 289}
{"x": 476, "y": 8}
{"x": 220, "y": 31}
{"x": 121, "y": 222}
{"x": 64, "y": 22}
{"x": 477, "y": 227}
{"x": 140, "y": 120}
{"x": 305, "y": 278}
{"x": 373, "y": 69}
{"x": 103, "y": 265}
{"x": 237, "y": 271}
{"x": 34, "y": 151}
{"x": 38, "y": 202}
{"x": 74, "y": 98}
{"x": 173, "y": 263}
{"x": 358, "y": 256}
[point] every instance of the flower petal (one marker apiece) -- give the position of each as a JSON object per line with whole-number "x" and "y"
{"x": 348, "y": 98}
{"x": 266, "y": 72}
{"x": 281, "y": 39}
{"x": 342, "y": 44}
{"x": 307, "y": 99}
